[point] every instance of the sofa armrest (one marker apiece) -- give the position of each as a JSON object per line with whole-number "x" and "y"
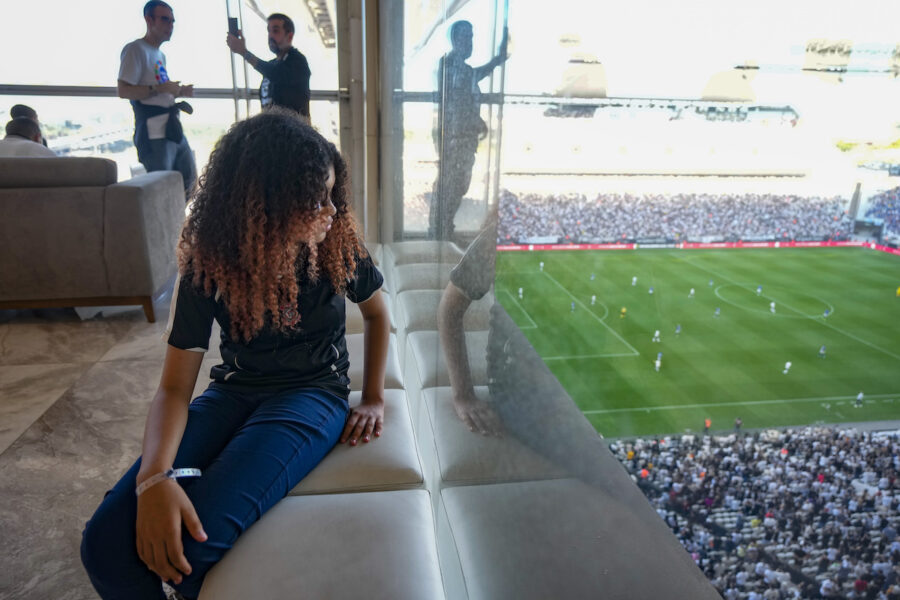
{"x": 142, "y": 221}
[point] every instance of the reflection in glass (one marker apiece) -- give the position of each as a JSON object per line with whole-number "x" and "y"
{"x": 459, "y": 126}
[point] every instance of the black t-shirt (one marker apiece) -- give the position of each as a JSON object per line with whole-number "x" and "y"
{"x": 312, "y": 354}
{"x": 285, "y": 82}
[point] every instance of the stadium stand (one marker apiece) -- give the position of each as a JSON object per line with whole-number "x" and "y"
{"x": 674, "y": 218}
{"x": 886, "y": 205}
{"x": 806, "y": 513}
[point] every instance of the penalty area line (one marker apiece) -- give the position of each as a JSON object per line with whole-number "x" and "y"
{"x": 634, "y": 351}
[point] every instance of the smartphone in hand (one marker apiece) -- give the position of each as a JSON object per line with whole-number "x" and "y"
{"x": 233, "y": 26}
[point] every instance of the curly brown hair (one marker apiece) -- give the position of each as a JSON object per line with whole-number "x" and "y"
{"x": 250, "y": 237}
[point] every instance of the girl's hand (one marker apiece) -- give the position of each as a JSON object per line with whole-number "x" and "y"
{"x": 161, "y": 511}
{"x": 364, "y": 421}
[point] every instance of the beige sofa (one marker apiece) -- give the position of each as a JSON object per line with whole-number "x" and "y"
{"x": 72, "y": 236}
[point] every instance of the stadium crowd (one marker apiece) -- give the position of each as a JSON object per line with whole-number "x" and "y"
{"x": 808, "y": 513}
{"x": 676, "y": 217}
{"x": 886, "y": 205}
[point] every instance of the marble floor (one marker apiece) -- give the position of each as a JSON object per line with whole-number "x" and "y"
{"x": 73, "y": 398}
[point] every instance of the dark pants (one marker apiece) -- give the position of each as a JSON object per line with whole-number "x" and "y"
{"x": 253, "y": 448}
{"x": 165, "y": 155}
{"x": 457, "y": 157}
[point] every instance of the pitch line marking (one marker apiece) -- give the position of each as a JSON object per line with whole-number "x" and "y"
{"x": 749, "y": 288}
{"x": 826, "y": 324}
{"x": 724, "y": 404}
{"x": 610, "y": 329}
{"x": 576, "y": 357}
{"x": 524, "y": 312}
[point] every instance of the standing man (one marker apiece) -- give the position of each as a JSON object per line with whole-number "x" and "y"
{"x": 285, "y": 77}
{"x": 144, "y": 80}
{"x": 458, "y": 127}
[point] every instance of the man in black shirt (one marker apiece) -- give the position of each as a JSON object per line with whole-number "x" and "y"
{"x": 285, "y": 77}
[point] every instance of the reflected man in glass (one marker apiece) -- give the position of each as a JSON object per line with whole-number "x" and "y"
{"x": 459, "y": 126}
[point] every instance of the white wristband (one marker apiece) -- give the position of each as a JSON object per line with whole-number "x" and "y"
{"x": 168, "y": 474}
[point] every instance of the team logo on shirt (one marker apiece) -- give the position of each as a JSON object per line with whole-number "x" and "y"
{"x": 290, "y": 316}
{"x": 159, "y": 71}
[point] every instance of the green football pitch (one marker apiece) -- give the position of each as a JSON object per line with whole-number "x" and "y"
{"x": 717, "y": 367}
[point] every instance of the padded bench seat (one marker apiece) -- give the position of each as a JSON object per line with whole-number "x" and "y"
{"x": 393, "y": 377}
{"x": 355, "y": 322}
{"x": 564, "y": 539}
{"x": 465, "y": 457}
{"x": 417, "y": 311}
{"x": 390, "y": 462}
{"x": 421, "y": 276}
{"x": 425, "y": 355}
{"x": 374, "y": 545}
{"x": 422, "y": 251}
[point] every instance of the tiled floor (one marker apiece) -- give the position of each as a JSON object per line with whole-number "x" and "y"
{"x": 73, "y": 398}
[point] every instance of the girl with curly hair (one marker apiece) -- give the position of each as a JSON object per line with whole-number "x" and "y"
{"x": 270, "y": 251}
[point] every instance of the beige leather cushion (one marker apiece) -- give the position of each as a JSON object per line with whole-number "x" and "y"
{"x": 467, "y": 457}
{"x": 404, "y": 253}
{"x": 417, "y": 311}
{"x": 563, "y": 539}
{"x": 393, "y": 377}
{"x": 424, "y": 347}
{"x": 375, "y": 545}
{"x": 355, "y": 323}
{"x": 390, "y": 462}
{"x": 421, "y": 276}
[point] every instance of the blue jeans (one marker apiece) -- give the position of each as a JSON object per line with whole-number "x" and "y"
{"x": 253, "y": 448}
{"x": 164, "y": 155}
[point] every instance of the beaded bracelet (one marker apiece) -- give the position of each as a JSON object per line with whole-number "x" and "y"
{"x": 167, "y": 474}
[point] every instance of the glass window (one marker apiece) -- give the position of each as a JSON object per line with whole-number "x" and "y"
{"x": 196, "y": 53}
{"x": 658, "y": 171}
{"x": 75, "y": 126}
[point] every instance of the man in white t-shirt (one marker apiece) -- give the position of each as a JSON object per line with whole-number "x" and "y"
{"x": 143, "y": 79}
{"x": 23, "y": 140}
